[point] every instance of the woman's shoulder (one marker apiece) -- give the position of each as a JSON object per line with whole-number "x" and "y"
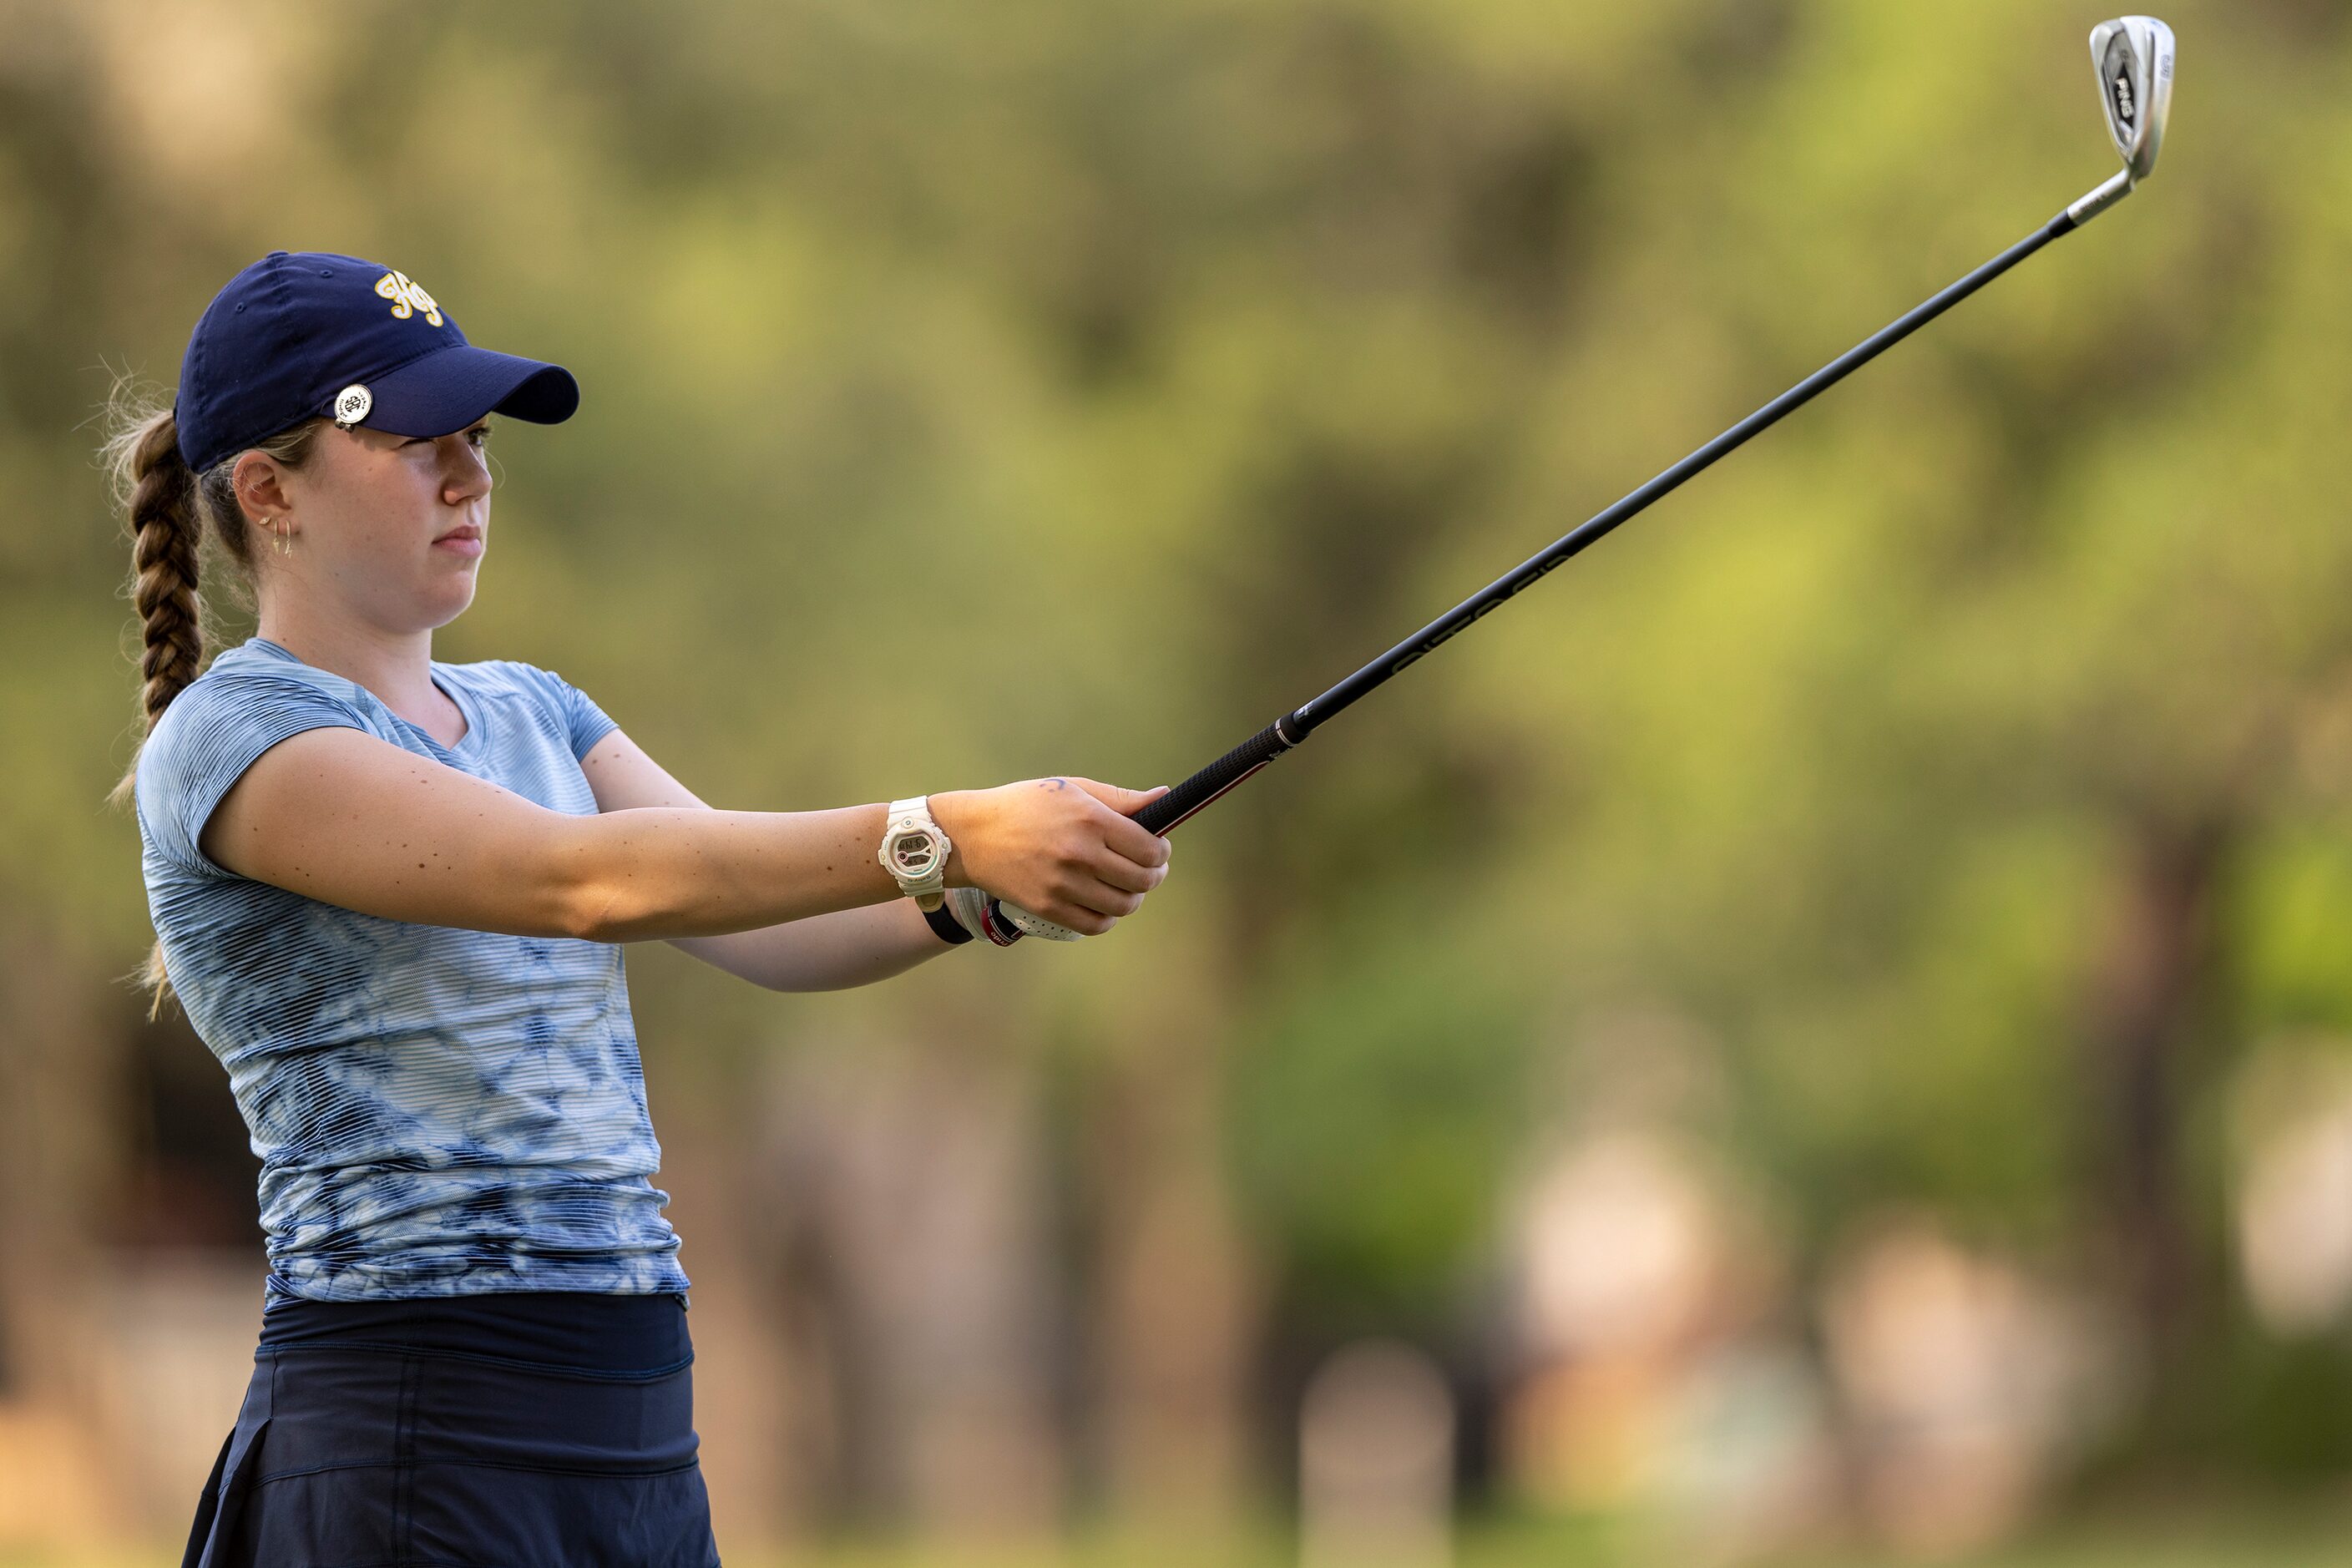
{"x": 247, "y": 683}
{"x": 243, "y": 704}
{"x": 497, "y": 675}
{"x": 509, "y": 680}
{"x": 568, "y": 711}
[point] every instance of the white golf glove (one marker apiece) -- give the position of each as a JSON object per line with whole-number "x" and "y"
{"x": 970, "y": 908}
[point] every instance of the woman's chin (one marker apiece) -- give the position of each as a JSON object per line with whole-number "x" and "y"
{"x": 453, "y": 601}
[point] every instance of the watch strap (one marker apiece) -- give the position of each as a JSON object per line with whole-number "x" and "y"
{"x": 949, "y": 929}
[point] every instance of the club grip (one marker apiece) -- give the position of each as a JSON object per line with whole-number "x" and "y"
{"x": 1214, "y": 780}
{"x": 1173, "y": 807}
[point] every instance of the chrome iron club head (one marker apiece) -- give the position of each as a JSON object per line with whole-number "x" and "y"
{"x": 2134, "y": 58}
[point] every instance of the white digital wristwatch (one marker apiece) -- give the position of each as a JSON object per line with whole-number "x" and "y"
{"x": 915, "y": 851}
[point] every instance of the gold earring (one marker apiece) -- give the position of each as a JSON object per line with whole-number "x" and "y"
{"x": 285, "y": 539}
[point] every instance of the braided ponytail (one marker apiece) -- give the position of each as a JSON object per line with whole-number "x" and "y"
{"x": 166, "y": 505}
{"x": 165, "y": 534}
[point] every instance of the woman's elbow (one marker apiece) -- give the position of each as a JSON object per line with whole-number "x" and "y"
{"x": 602, "y": 912}
{"x": 599, "y": 895}
{"x": 596, "y": 904}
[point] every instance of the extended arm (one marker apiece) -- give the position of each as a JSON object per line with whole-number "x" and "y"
{"x": 341, "y": 817}
{"x": 348, "y": 819}
{"x": 819, "y": 952}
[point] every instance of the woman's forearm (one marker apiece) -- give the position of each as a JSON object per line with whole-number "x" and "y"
{"x": 659, "y": 872}
{"x": 825, "y": 952}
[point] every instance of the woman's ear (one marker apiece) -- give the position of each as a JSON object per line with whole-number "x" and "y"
{"x": 260, "y": 482}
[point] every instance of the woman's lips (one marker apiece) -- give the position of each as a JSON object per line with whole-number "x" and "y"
{"x": 460, "y": 541}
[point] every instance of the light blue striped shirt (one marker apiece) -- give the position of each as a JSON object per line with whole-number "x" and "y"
{"x": 438, "y": 1111}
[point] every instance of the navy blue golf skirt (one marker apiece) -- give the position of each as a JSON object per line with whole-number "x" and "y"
{"x": 548, "y": 1429}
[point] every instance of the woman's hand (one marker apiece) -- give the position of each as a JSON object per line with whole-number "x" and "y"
{"x": 1065, "y": 849}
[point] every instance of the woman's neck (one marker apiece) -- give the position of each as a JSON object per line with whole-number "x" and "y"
{"x": 396, "y": 667}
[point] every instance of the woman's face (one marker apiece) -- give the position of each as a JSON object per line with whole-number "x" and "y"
{"x": 392, "y": 529}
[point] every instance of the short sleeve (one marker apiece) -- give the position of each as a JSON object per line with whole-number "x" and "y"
{"x": 584, "y": 722}
{"x": 206, "y": 739}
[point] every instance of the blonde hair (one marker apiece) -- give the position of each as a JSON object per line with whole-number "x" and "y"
{"x": 165, "y": 506}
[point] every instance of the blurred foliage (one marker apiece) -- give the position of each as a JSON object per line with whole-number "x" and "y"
{"x": 1374, "y": 1119}
{"x": 975, "y": 392}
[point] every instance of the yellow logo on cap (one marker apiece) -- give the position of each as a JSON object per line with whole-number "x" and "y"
{"x": 406, "y": 297}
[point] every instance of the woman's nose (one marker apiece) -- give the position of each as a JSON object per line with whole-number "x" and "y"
{"x": 469, "y": 474}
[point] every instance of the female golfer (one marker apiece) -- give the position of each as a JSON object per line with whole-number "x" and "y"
{"x": 390, "y": 892}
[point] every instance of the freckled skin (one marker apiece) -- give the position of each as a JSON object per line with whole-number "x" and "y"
{"x": 363, "y": 513}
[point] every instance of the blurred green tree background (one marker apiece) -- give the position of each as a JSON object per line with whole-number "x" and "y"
{"x": 1936, "y": 816}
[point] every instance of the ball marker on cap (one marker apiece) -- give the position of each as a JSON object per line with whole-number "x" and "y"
{"x": 352, "y": 405}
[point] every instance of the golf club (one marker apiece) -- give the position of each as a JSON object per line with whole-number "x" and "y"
{"x": 2133, "y": 56}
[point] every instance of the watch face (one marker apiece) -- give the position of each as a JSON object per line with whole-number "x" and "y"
{"x": 913, "y": 852}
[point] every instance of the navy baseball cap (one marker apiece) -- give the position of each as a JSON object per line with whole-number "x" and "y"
{"x": 306, "y": 333}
